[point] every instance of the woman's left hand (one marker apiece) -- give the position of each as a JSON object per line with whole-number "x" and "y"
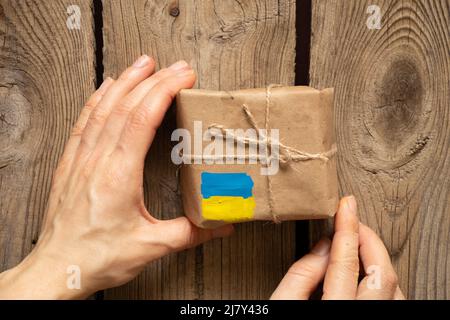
{"x": 97, "y": 232}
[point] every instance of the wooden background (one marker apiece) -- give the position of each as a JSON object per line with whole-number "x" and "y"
{"x": 392, "y": 115}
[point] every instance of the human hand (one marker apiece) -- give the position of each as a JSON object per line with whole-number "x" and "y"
{"x": 338, "y": 264}
{"x": 96, "y": 219}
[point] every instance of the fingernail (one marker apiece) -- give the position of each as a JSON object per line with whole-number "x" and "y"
{"x": 179, "y": 65}
{"x": 185, "y": 73}
{"x": 105, "y": 85}
{"x": 142, "y": 61}
{"x": 222, "y": 232}
{"x": 350, "y": 202}
{"x": 322, "y": 248}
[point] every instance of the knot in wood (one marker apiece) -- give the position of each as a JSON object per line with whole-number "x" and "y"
{"x": 174, "y": 11}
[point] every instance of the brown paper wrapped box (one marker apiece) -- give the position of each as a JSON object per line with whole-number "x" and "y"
{"x": 305, "y": 185}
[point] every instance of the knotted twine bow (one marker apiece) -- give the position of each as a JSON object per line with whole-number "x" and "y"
{"x": 288, "y": 154}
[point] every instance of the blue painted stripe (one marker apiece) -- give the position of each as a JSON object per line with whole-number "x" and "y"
{"x": 226, "y": 184}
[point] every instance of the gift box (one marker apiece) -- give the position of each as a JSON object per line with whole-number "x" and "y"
{"x": 256, "y": 154}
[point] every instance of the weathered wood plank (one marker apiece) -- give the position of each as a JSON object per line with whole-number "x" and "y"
{"x": 393, "y": 115}
{"x": 46, "y": 75}
{"x": 231, "y": 44}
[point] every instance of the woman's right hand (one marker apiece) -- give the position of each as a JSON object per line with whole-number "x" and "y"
{"x": 337, "y": 263}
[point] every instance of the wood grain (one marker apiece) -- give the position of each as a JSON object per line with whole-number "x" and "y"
{"x": 231, "y": 44}
{"x": 46, "y": 74}
{"x": 393, "y": 115}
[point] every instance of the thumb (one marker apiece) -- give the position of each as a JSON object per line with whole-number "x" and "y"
{"x": 305, "y": 275}
{"x": 180, "y": 234}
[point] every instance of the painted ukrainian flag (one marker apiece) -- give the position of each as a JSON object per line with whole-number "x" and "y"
{"x": 227, "y": 197}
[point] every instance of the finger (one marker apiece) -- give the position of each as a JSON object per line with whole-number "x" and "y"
{"x": 381, "y": 281}
{"x": 66, "y": 161}
{"x": 179, "y": 234}
{"x": 77, "y": 131}
{"x": 399, "y": 294}
{"x": 142, "y": 123}
{"x": 341, "y": 279}
{"x": 305, "y": 275}
{"x": 128, "y": 80}
{"x": 117, "y": 120}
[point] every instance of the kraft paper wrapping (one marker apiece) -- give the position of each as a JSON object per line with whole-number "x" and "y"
{"x": 304, "y": 117}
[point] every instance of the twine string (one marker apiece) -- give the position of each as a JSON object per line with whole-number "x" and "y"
{"x": 269, "y": 180}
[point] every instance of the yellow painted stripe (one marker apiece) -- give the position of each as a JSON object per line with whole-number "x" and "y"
{"x": 228, "y": 209}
